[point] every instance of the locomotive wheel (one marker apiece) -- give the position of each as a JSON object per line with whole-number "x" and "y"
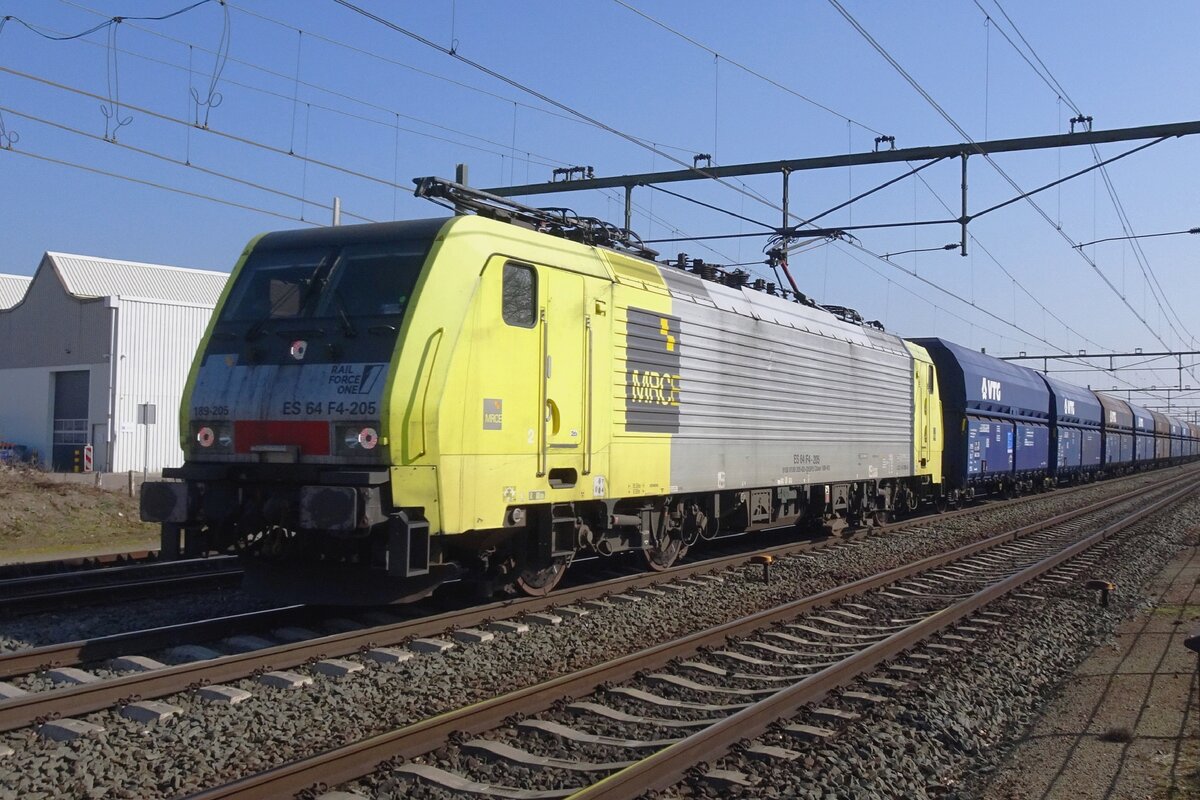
{"x": 540, "y": 582}
{"x": 660, "y": 558}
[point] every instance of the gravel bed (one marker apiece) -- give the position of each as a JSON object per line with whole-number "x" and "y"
{"x": 209, "y": 744}
{"x": 947, "y": 733}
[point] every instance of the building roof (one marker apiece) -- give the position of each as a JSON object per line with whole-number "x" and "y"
{"x": 12, "y": 289}
{"x": 86, "y": 277}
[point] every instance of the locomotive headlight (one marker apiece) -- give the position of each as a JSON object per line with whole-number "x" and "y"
{"x": 212, "y": 437}
{"x": 357, "y": 438}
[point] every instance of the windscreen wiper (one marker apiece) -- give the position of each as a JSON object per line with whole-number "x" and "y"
{"x": 314, "y": 281}
{"x": 347, "y": 326}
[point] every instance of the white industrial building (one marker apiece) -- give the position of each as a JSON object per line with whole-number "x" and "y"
{"x": 61, "y": 387}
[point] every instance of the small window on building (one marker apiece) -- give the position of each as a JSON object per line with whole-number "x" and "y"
{"x": 520, "y": 295}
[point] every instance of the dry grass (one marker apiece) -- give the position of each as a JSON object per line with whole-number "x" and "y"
{"x": 43, "y": 516}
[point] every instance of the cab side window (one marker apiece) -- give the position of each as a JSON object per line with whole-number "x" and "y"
{"x": 519, "y": 295}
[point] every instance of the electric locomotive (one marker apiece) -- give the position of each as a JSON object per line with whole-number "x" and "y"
{"x": 379, "y": 409}
{"x": 376, "y": 410}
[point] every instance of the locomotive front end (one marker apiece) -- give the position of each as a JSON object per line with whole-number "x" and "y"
{"x": 284, "y": 420}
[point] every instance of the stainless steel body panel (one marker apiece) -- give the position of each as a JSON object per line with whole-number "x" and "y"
{"x": 778, "y": 393}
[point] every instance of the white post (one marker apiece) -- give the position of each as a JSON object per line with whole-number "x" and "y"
{"x": 337, "y": 211}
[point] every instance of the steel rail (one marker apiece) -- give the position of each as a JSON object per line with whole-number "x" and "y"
{"x": 352, "y": 761}
{"x": 67, "y": 654}
{"x": 25, "y": 710}
{"x": 70, "y": 564}
{"x": 669, "y": 765}
{"x": 43, "y": 590}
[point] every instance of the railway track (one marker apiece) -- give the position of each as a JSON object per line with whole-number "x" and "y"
{"x": 50, "y": 590}
{"x": 725, "y": 684}
{"x": 24, "y": 569}
{"x": 164, "y": 680}
{"x": 41, "y": 585}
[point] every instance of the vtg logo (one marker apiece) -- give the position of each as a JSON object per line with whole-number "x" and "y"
{"x": 1068, "y": 406}
{"x": 990, "y": 390}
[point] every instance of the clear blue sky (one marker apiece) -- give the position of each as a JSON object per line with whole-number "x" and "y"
{"x": 317, "y": 101}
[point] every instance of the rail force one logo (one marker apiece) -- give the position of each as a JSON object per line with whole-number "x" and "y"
{"x": 989, "y": 390}
{"x": 652, "y": 383}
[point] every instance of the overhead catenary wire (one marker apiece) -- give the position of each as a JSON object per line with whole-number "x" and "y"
{"x": 180, "y": 163}
{"x": 991, "y": 161}
{"x": 749, "y": 70}
{"x": 433, "y": 75}
{"x": 542, "y": 159}
{"x": 108, "y": 23}
{"x": 223, "y": 54}
{"x": 535, "y": 93}
{"x": 160, "y": 186}
{"x": 213, "y": 131}
{"x": 789, "y": 90}
{"x": 1043, "y": 72}
{"x": 546, "y": 161}
{"x": 755, "y": 194}
{"x": 516, "y": 84}
{"x": 523, "y": 105}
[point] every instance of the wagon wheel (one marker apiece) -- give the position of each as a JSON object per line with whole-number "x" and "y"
{"x": 660, "y": 557}
{"x": 941, "y": 503}
{"x": 883, "y": 516}
{"x": 540, "y": 582}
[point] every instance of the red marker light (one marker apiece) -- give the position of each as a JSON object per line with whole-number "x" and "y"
{"x": 205, "y": 437}
{"x": 368, "y": 438}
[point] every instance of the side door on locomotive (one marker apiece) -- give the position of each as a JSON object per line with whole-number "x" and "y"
{"x": 530, "y": 426}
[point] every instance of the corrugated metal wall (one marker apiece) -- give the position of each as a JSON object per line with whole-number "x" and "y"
{"x": 156, "y": 341}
